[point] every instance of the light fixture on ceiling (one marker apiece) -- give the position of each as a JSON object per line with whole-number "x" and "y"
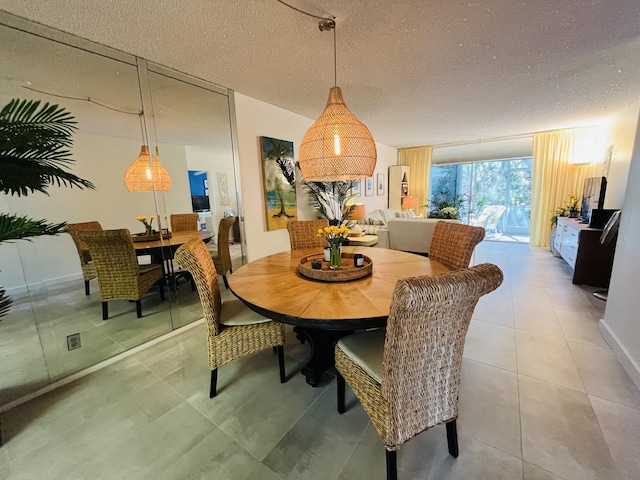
{"x": 338, "y": 146}
{"x": 146, "y": 174}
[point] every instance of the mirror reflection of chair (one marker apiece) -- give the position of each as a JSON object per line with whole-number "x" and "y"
{"x": 453, "y": 243}
{"x": 234, "y": 331}
{"x": 303, "y": 233}
{"x": 222, "y": 257}
{"x": 119, "y": 275}
{"x": 407, "y": 376}
{"x": 88, "y": 268}
{"x": 184, "y": 222}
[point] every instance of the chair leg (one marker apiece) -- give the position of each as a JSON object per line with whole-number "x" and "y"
{"x": 86, "y": 287}
{"x": 161, "y": 287}
{"x": 139, "y": 308}
{"x": 341, "y": 387}
{"x": 226, "y": 284}
{"x": 105, "y": 310}
{"x": 283, "y": 377}
{"x": 452, "y": 438}
{"x": 214, "y": 383}
{"x": 392, "y": 469}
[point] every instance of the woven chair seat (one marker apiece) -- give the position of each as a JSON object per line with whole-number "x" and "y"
{"x": 233, "y": 330}
{"x": 304, "y": 234}
{"x": 407, "y": 376}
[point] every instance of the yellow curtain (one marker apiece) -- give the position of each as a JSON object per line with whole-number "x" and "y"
{"x": 553, "y": 179}
{"x": 419, "y": 162}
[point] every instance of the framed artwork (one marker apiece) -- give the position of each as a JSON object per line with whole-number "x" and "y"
{"x": 223, "y": 188}
{"x": 355, "y": 190}
{"x": 368, "y": 191}
{"x": 205, "y": 182}
{"x": 278, "y": 169}
{"x": 380, "y": 183}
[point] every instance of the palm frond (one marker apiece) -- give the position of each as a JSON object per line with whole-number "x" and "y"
{"x": 5, "y": 302}
{"x": 34, "y": 148}
{"x": 14, "y": 227}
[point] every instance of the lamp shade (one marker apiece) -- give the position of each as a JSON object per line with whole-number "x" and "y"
{"x": 338, "y": 146}
{"x": 145, "y": 175}
{"x": 358, "y": 212}
{"x": 410, "y": 203}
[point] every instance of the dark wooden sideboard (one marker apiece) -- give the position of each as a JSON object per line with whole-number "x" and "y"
{"x": 580, "y": 247}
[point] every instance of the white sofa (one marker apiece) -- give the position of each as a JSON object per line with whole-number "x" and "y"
{"x": 411, "y": 234}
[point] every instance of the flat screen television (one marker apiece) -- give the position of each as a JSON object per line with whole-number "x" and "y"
{"x": 592, "y": 196}
{"x": 200, "y": 202}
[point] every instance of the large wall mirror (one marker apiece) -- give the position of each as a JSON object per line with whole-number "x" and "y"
{"x": 120, "y": 102}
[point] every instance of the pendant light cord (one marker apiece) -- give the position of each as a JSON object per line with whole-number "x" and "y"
{"x": 302, "y": 11}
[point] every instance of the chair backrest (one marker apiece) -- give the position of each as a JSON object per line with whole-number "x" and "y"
{"x": 452, "y": 244}
{"x": 304, "y": 233}
{"x": 424, "y": 341}
{"x": 83, "y": 250}
{"x": 224, "y": 255}
{"x": 184, "y": 222}
{"x": 194, "y": 257}
{"x": 115, "y": 260}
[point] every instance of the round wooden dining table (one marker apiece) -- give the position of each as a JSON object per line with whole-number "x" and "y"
{"x": 324, "y": 311}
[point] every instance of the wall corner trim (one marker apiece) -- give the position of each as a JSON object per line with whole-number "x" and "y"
{"x": 629, "y": 364}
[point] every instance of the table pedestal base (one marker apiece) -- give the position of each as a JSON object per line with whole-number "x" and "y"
{"x": 322, "y": 343}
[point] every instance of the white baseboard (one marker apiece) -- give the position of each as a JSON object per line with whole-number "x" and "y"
{"x": 629, "y": 364}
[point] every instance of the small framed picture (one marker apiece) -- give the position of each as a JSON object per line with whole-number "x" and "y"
{"x": 205, "y": 183}
{"x": 356, "y": 188}
{"x": 368, "y": 192}
{"x": 380, "y": 183}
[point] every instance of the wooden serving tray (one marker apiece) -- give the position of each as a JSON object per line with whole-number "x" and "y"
{"x": 143, "y": 237}
{"x": 347, "y": 272}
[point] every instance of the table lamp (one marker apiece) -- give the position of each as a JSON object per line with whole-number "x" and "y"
{"x": 410, "y": 203}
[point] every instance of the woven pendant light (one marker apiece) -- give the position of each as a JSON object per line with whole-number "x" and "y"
{"x": 146, "y": 176}
{"x": 338, "y": 146}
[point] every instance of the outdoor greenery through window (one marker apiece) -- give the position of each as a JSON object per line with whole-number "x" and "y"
{"x": 493, "y": 194}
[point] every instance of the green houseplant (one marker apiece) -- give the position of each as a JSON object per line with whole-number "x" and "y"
{"x": 330, "y": 199}
{"x": 35, "y": 154}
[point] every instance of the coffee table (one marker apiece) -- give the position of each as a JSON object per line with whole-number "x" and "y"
{"x": 363, "y": 240}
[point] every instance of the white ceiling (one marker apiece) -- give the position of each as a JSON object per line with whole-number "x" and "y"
{"x": 416, "y": 72}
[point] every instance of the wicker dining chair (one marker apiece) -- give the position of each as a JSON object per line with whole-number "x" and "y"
{"x": 407, "y": 376}
{"x": 453, "y": 244}
{"x": 119, "y": 275}
{"x": 303, "y": 233}
{"x": 222, "y": 257}
{"x": 184, "y": 222}
{"x": 233, "y": 331}
{"x": 88, "y": 268}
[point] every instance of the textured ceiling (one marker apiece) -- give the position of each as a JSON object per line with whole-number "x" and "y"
{"x": 416, "y": 72}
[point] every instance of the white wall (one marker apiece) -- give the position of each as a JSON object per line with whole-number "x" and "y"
{"x": 255, "y": 119}
{"x": 620, "y": 133}
{"x": 621, "y": 323}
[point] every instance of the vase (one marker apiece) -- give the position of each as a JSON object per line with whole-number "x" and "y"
{"x": 335, "y": 259}
{"x": 148, "y": 230}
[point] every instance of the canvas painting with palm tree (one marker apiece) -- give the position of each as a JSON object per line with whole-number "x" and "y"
{"x": 278, "y": 168}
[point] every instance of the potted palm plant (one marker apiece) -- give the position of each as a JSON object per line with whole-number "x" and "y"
{"x": 35, "y": 142}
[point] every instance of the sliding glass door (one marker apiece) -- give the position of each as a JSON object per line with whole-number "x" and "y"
{"x": 492, "y": 194}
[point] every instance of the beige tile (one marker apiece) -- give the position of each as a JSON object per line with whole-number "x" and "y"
{"x": 532, "y": 472}
{"x": 491, "y": 310}
{"x": 476, "y": 460}
{"x": 581, "y": 327}
{"x": 319, "y": 444}
{"x": 491, "y": 344}
{"x": 620, "y": 426}
{"x": 530, "y": 294}
{"x": 560, "y": 432}
{"x": 489, "y": 406}
{"x": 546, "y": 358}
{"x": 536, "y": 318}
{"x": 603, "y": 375}
{"x": 570, "y": 298}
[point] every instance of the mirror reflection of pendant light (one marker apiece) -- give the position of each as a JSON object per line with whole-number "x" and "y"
{"x": 147, "y": 175}
{"x": 338, "y": 146}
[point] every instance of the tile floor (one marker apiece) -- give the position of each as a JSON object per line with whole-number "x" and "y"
{"x": 542, "y": 397}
